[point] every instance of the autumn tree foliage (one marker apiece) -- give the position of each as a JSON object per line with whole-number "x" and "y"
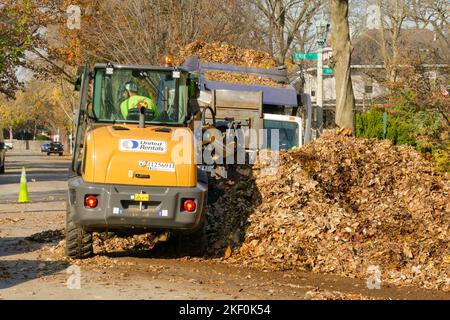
{"x": 17, "y": 33}
{"x": 142, "y": 32}
{"x": 41, "y": 105}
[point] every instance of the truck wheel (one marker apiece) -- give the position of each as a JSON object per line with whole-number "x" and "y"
{"x": 193, "y": 244}
{"x": 60, "y": 154}
{"x": 78, "y": 241}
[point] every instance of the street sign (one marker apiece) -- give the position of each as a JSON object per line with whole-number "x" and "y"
{"x": 305, "y": 56}
{"x": 328, "y": 71}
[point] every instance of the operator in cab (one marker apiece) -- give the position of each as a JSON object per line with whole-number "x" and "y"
{"x": 133, "y": 100}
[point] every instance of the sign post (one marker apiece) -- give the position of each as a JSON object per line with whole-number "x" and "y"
{"x": 322, "y": 28}
{"x": 319, "y": 94}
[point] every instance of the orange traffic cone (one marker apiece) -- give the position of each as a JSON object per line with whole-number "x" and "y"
{"x": 23, "y": 193}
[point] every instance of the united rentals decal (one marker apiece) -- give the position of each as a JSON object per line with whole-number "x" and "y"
{"x": 148, "y": 146}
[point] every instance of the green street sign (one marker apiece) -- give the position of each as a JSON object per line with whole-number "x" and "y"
{"x": 328, "y": 71}
{"x": 305, "y": 56}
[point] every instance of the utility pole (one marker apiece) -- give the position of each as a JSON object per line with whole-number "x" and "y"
{"x": 322, "y": 28}
{"x": 319, "y": 93}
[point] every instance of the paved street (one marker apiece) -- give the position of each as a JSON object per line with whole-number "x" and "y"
{"x": 46, "y": 176}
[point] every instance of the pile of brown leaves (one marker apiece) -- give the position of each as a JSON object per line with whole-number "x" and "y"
{"x": 221, "y": 52}
{"x": 240, "y": 78}
{"x": 104, "y": 242}
{"x": 340, "y": 205}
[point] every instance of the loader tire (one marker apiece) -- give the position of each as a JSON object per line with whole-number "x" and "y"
{"x": 78, "y": 241}
{"x": 193, "y": 244}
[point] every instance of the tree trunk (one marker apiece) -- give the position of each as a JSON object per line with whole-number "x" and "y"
{"x": 340, "y": 42}
{"x": 10, "y": 135}
{"x": 280, "y": 24}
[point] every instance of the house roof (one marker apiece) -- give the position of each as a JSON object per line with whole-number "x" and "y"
{"x": 423, "y": 43}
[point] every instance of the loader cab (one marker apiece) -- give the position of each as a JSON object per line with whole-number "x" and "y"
{"x": 119, "y": 90}
{"x": 163, "y": 90}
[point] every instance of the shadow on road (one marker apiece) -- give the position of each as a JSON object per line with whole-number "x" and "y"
{"x": 18, "y": 245}
{"x": 15, "y": 272}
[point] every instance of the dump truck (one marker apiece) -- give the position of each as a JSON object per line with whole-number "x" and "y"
{"x": 251, "y": 105}
{"x": 133, "y": 166}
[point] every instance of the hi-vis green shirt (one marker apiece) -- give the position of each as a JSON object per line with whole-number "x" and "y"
{"x": 132, "y": 103}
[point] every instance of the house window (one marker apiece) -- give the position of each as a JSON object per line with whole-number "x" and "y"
{"x": 368, "y": 89}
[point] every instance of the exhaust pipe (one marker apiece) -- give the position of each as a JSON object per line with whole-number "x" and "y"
{"x": 142, "y": 117}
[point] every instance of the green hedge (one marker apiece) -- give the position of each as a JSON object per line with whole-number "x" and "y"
{"x": 42, "y": 137}
{"x": 399, "y": 129}
{"x": 405, "y": 125}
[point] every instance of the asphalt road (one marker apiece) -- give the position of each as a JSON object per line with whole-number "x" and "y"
{"x": 46, "y": 176}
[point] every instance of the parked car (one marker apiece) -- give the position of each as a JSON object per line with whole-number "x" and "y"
{"x": 55, "y": 147}
{"x": 44, "y": 147}
{"x": 8, "y": 145}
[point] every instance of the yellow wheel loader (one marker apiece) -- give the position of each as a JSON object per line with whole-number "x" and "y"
{"x": 134, "y": 164}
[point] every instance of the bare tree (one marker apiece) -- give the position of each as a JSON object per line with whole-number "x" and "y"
{"x": 340, "y": 42}
{"x": 287, "y": 21}
{"x": 405, "y": 27}
{"x": 431, "y": 13}
{"x": 394, "y": 13}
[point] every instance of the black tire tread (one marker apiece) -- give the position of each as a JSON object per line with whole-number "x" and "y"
{"x": 78, "y": 241}
{"x": 194, "y": 244}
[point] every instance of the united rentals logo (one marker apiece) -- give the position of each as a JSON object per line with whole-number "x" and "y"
{"x": 146, "y": 146}
{"x": 130, "y": 144}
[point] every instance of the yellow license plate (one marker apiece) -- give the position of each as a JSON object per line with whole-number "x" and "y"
{"x": 141, "y": 197}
